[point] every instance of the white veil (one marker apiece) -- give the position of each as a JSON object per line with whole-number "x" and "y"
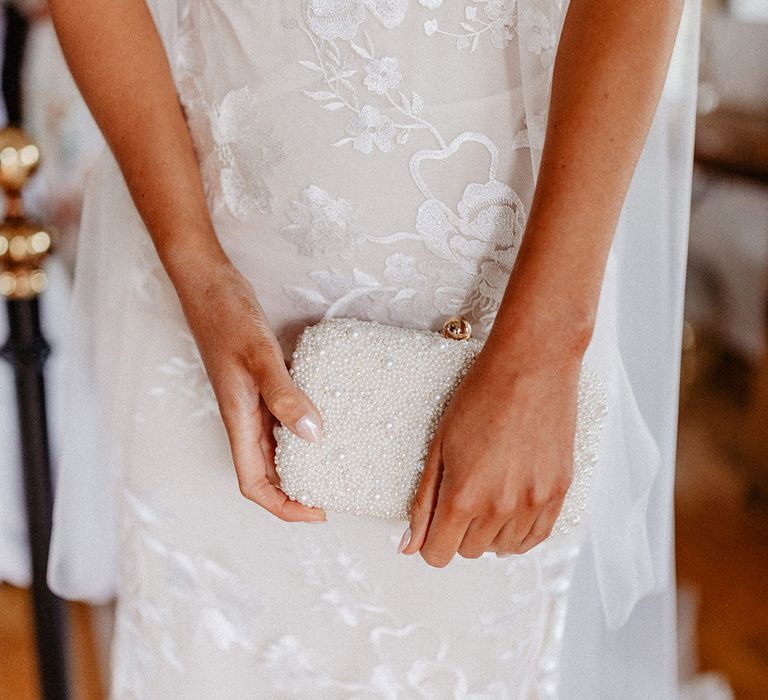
{"x": 620, "y": 636}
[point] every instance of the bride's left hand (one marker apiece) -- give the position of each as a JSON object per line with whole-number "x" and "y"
{"x": 500, "y": 462}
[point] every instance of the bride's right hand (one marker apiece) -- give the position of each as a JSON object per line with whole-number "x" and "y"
{"x": 255, "y": 392}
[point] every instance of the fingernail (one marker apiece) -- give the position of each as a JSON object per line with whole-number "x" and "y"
{"x": 404, "y": 540}
{"x": 504, "y": 555}
{"x": 308, "y": 428}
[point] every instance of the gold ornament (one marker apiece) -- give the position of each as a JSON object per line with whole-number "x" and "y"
{"x": 24, "y": 245}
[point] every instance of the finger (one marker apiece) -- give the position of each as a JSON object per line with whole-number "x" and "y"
{"x": 244, "y": 429}
{"x": 424, "y": 501}
{"x": 542, "y": 527}
{"x": 478, "y": 537}
{"x": 268, "y": 445}
{"x": 446, "y": 531}
{"x": 268, "y": 450}
{"x": 291, "y": 406}
{"x": 271, "y": 498}
{"x": 510, "y": 537}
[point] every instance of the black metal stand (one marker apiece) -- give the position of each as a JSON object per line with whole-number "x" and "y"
{"x": 27, "y": 350}
{"x": 16, "y": 30}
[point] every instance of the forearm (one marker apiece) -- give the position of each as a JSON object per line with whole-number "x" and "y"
{"x": 611, "y": 64}
{"x": 118, "y": 61}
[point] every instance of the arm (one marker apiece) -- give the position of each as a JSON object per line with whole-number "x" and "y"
{"x": 500, "y": 463}
{"x": 133, "y": 99}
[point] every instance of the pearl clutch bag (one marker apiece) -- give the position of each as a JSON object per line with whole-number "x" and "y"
{"x": 381, "y": 391}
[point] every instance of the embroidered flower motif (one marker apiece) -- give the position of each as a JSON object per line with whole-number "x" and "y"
{"x": 288, "y": 658}
{"x": 352, "y": 291}
{"x": 390, "y": 13}
{"x": 502, "y": 22}
{"x": 371, "y": 128}
{"x": 340, "y": 19}
{"x": 424, "y": 290}
{"x": 182, "y": 378}
{"x": 335, "y": 19}
{"x": 538, "y": 36}
{"x": 499, "y": 22}
{"x": 321, "y": 225}
{"x": 482, "y": 242}
{"x": 199, "y": 595}
{"x": 247, "y": 152}
{"x": 382, "y": 75}
{"x": 419, "y": 660}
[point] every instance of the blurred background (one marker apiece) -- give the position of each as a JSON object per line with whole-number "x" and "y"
{"x": 722, "y": 475}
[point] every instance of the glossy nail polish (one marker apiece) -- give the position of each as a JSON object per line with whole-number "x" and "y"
{"x": 308, "y": 428}
{"x": 404, "y": 540}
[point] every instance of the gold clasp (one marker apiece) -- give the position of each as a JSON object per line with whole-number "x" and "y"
{"x": 457, "y": 328}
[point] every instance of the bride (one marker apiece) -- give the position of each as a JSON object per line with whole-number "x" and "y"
{"x": 399, "y": 161}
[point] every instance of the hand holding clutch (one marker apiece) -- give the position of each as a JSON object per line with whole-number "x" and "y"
{"x": 382, "y": 391}
{"x": 510, "y": 461}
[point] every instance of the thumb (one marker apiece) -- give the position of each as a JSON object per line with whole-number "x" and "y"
{"x": 286, "y": 402}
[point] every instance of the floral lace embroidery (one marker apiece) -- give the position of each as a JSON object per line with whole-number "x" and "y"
{"x": 181, "y": 378}
{"x": 340, "y": 19}
{"x": 200, "y": 598}
{"x": 497, "y": 19}
{"x": 170, "y": 598}
{"x": 236, "y": 150}
{"x": 339, "y": 73}
{"x": 501, "y": 21}
{"x": 321, "y": 225}
{"x": 476, "y": 242}
{"x": 247, "y": 152}
{"x": 471, "y": 240}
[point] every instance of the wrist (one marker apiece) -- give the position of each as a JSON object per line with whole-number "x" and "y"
{"x": 535, "y": 338}
{"x": 195, "y": 264}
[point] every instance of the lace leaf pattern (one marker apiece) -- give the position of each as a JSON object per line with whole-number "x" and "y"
{"x": 172, "y": 599}
{"x": 197, "y": 600}
{"x": 181, "y": 380}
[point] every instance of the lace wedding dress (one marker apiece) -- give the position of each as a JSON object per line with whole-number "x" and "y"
{"x": 375, "y": 159}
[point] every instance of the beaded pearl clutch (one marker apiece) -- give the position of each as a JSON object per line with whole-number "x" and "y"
{"x": 381, "y": 391}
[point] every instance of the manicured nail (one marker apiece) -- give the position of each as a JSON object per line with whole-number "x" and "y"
{"x": 504, "y": 555}
{"x": 308, "y": 428}
{"x": 404, "y": 540}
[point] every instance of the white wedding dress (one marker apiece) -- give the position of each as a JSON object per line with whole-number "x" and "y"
{"x": 375, "y": 159}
